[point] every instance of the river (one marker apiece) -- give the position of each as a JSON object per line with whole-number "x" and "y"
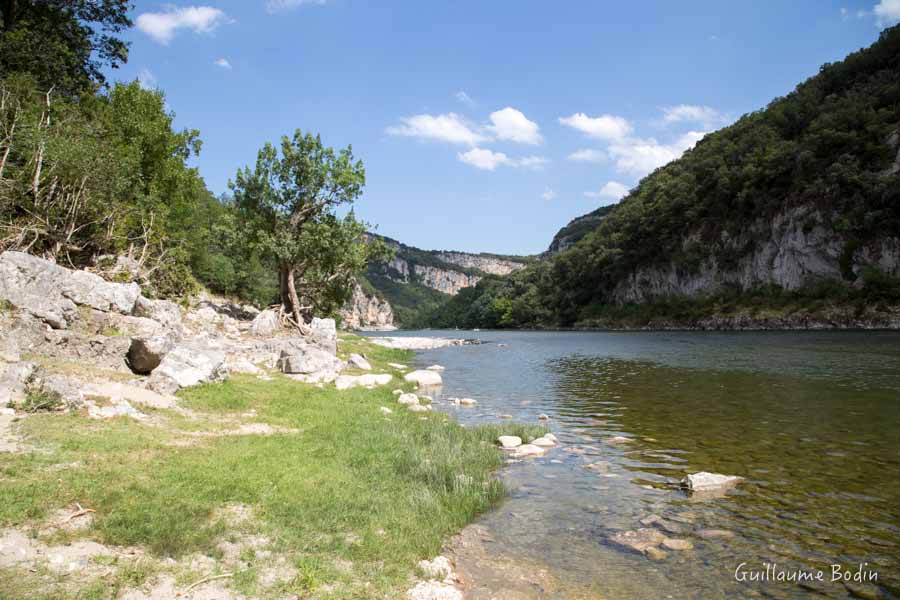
{"x": 811, "y": 421}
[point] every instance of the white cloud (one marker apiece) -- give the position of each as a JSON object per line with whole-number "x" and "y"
{"x": 449, "y": 127}
{"x": 488, "y": 160}
{"x": 163, "y": 25}
{"x": 481, "y": 158}
{"x": 612, "y": 189}
{"x": 510, "y": 124}
{"x": 274, "y": 6}
{"x": 222, "y": 62}
{"x": 641, "y": 156}
{"x": 887, "y": 12}
{"x": 589, "y": 155}
{"x": 548, "y": 195}
{"x": 709, "y": 117}
{"x": 464, "y": 98}
{"x": 606, "y": 127}
{"x": 146, "y": 79}
{"x": 844, "y": 14}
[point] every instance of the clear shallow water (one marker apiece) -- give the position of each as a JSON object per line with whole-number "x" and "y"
{"x": 811, "y": 420}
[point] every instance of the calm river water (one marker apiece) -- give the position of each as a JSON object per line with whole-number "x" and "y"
{"x": 811, "y": 420}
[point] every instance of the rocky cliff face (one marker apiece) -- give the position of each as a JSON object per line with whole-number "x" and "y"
{"x": 796, "y": 247}
{"x": 483, "y": 262}
{"x": 365, "y": 311}
{"x": 576, "y": 229}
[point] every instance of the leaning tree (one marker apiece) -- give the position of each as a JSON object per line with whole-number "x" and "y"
{"x": 288, "y": 208}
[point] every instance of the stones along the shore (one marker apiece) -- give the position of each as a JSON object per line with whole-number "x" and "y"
{"x": 424, "y": 378}
{"x": 509, "y": 441}
{"x": 360, "y": 362}
{"x": 420, "y": 343}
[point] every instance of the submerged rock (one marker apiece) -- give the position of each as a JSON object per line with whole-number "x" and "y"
{"x": 677, "y": 544}
{"x": 639, "y": 540}
{"x": 526, "y": 450}
{"x": 545, "y": 441}
{"x": 466, "y": 401}
{"x": 709, "y": 484}
{"x": 437, "y": 368}
{"x": 424, "y": 378}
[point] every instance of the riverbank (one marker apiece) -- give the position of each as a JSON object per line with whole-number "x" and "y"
{"x": 258, "y": 487}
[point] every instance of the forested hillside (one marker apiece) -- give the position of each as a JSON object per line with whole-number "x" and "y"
{"x": 792, "y": 206}
{"x": 94, "y": 175}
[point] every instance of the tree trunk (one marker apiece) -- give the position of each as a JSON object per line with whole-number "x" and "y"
{"x": 289, "y": 298}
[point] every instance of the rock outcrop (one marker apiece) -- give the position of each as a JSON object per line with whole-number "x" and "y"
{"x": 366, "y": 311}
{"x": 53, "y": 293}
{"x": 188, "y": 364}
{"x": 790, "y": 250}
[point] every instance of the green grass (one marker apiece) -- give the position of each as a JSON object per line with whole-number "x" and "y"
{"x": 353, "y": 485}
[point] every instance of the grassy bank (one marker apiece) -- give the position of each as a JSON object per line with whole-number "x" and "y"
{"x": 347, "y": 497}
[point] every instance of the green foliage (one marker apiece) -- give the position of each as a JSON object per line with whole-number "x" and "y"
{"x": 38, "y": 399}
{"x": 287, "y": 205}
{"x": 825, "y": 147}
{"x": 63, "y": 44}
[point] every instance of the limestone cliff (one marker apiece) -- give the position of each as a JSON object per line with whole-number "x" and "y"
{"x": 795, "y": 248}
{"x": 366, "y": 311}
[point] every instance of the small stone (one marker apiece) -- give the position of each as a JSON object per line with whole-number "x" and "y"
{"x": 418, "y": 408}
{"x": 677, "y": 544}
{"x": 543, "y": 417}
{"x": 601, "y": 467}
{"x": 437, "y": 368}
{"x": 467, "y": 402}
{"x": 543, "y": 442}
{"x": 437, "y": 568}
{"x": 656, "y": 554}
{"x": 526, "y": 450}
{"x": 397, "y": 392}
{"x": 639, "y": 540}
{"x": 510, "y": 441}
{"x": 359, "y": 362}
{"x": 709, "y": 483}
{"x": 408, "y": 399}
{"x": 386, "y": 410}
{"x": 710, "y": 534}
{"x": 618, "y": 439}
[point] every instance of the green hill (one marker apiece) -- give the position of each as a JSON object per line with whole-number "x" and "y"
{"x": 794, "y": 209}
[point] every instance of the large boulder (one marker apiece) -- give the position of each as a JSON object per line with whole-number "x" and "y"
{"x": 324, "y": 334}
{"x": 14, "y": 380}
{"x": 164, "y": 312}
{"x": 424, "y": 378}
{"x": 146, "y": 353}
{"x": 188, "y": 364}
{"x": 265, "y": 324}
{"x": 307, "y": 359}
{"x": 53, "y": 293}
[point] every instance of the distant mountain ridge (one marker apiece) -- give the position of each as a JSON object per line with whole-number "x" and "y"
{"x": 417, "y": 280}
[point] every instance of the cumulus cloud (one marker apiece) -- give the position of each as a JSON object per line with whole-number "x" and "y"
{"x": 604, "y": 127}
{"x": 641, "y": 156}
{"x": 482, "y": 158}
{"x": 488, "y": 160}
{"x": 589, "y": 155}
{"x": 887, "y": 12}
{"x": 706, "y": 116}
{"x": 274, "y": 6}
{"x": 162, "y": 26}
{"x": 612, "y": 190}
{"x": 464, "y": 98}
{"x": 222, "y": 62}
{"x": 511, "y": 125}
{"x": 535, "y": 163}
{"x": 448, "y": 127}
{"x": 548, "y": 195}
{"x": 146, "y": 79}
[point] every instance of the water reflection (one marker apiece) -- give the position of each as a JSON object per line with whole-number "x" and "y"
{"x": 810, "y": 420}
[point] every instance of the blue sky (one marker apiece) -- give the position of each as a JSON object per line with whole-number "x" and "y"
{"x": 484, "y": 125}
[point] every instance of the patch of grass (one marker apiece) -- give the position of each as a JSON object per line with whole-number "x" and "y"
{"x": 37, "y": 400}
{"x": 352, "y": 487}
